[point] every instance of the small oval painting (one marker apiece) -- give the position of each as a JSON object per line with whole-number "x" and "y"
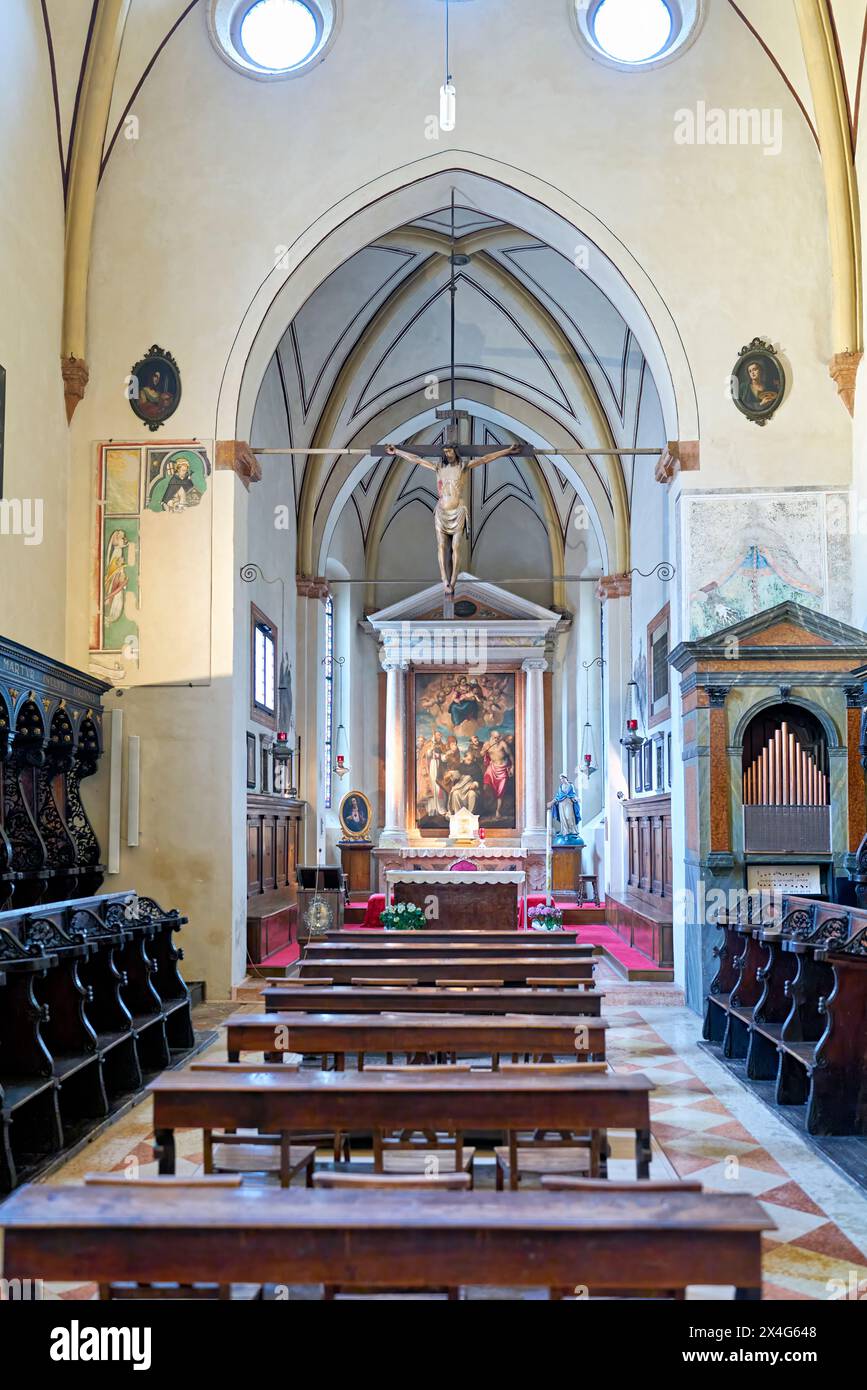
{"x": 155, "y": 387}
{"x": 758, "y": 382}
{"x": 354, "y": 816}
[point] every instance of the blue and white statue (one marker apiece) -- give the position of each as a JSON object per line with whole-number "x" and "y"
{"x": 565, "y": 815}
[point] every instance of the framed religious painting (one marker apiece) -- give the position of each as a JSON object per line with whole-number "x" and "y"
{"x": 251, "y": 762}
{"x": 154, "y": 387}
{"x": 647, "y": 754}
{"x": 465, "y": 733}
{"x": 355, "y": 815}
{"x": 758, "y": 381}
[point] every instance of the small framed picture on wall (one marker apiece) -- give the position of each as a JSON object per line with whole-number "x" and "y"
{"x": 647, "y": 750}
{"x": 669, "y": 762}
{"x": 251, "y": 762}
{"x": 637, "y": 783}
{"x": 659, "y": 750}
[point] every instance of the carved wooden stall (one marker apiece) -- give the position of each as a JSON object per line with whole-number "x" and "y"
{"x": 273, "y": 832}
{"x": 790, "y": 999}
{"x": 93, "y": 1003}
{"x": 643, "y": 913}
{"x": 50, "y": 742}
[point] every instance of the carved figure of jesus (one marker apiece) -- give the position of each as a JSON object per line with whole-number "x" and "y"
{"x": 451, "y": 519}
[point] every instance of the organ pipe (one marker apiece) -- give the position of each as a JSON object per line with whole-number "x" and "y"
{"x": 785, "y": 773}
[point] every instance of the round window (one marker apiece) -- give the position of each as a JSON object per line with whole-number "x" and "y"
{"x": 272, "y": 39}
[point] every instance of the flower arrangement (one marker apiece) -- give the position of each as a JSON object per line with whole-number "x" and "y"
{"x": 546, "y": 917}
{"x": 403, "y": 917}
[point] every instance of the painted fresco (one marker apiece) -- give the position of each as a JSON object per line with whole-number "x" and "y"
{"x": 747, "y": 552}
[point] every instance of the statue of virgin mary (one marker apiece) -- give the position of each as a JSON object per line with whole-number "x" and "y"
{"x": 565, "y": 815}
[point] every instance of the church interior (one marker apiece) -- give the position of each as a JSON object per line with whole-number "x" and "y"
{"x": 433, "y": 652}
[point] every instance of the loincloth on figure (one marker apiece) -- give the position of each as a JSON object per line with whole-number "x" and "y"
{"x": 451, "y": 521}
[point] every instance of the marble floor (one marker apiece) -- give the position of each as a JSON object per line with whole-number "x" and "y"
{"x": 706, "y": 1126}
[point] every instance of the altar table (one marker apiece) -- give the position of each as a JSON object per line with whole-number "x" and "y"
{"x": 482, "y": 899}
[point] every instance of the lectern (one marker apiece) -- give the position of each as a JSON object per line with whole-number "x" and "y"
{"x": 320, "y": 899}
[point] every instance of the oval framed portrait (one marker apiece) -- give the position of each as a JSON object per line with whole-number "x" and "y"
{"x": 155, "y": 387}
{"x": 355, "y": 816}
{"x": 758, "y": 381}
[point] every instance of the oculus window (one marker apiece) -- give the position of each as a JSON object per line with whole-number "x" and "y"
{"x": 272, "y": 39}
{"x": 635, "y": 34}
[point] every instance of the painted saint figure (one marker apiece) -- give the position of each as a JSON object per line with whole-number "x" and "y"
{"x": 119, "y": 557}
{"x": 498, "y": 768}
{"x": 451, "y": 518}
{"x": 565, "y": 814}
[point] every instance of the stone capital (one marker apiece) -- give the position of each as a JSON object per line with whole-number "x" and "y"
{"x": 235, "y": 455}
{"x": 76, "y": 375}
{"x": 844, "y": 371}
{"x": 614, "y": 586}
{"x": 717, "y": 695}
{"x": 855, "y": 696}
{"x": 393, "y": 663}
{"x": 534, "y": 663}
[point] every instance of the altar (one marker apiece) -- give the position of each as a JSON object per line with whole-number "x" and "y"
{"x": 461, "y": 900}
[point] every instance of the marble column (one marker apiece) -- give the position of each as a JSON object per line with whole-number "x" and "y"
{"x": 533, "y": 836}
{"x": 394, "y": 830}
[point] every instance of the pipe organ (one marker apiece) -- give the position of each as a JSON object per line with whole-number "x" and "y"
{"x": 785, "y": 773}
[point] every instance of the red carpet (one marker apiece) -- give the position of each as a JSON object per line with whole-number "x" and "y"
{"x": 631, "y": 962}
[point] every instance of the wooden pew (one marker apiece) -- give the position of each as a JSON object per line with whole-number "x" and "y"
{"x": 437, "y": 934}
{"x": 428, "y": 969}
{"x": 456, "y": 1034}
{"x": 364, "y": 1102}
{"x": 417, "y": 1240}
{"x": 394, "y": 945}
{"x": 290, "y": 998}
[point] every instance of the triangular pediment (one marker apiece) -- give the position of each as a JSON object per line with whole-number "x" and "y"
{"x": 475, "y": 601}
{"x": 784, "y": 630}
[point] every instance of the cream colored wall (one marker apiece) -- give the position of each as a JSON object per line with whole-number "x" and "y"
{"x": 226, "y": 171}
{"x": 32, "y": 577}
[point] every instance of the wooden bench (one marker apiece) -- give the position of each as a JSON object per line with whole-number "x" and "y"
{"x": 368, "y": 999}
{"x": 426, "y": 970}
{"x": 457, "y": 1034}
{"x": 395, "y": 946}
{"x": 364, "y": 1102}
{"x": 438, "y": 935}
{"x": 419, "y": 1240}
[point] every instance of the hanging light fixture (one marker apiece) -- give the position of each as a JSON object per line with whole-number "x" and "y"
{"x": 632, "y": 739}
{"x": 448, "y": 95}
{"x": 588, "y": 748}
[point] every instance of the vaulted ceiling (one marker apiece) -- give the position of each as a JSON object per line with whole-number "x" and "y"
{"x": 540, "y": 352}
